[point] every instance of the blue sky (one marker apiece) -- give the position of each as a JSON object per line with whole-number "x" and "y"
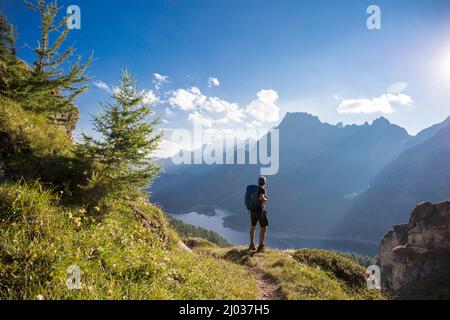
{"x": 266, "y": 57}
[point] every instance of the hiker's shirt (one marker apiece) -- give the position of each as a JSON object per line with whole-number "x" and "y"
{"x": 262, "y": 191}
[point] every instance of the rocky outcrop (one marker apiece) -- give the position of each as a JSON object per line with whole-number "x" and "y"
{"x": 416, "y": 250}
{"x": 67, "y": 120}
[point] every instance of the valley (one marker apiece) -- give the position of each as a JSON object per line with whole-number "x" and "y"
{"x": 333, "y": 180}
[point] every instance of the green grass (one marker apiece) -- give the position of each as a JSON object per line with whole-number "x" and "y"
{"x": 303, "y": 274}
{"x": 120, "y": 256}
{"x": 31, "y": 148}
{"x": 32, "y": 131}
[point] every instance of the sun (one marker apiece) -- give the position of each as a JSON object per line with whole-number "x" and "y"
{"x": 443, "y": 64}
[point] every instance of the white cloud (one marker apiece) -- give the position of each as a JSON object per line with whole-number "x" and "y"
{"x": 213, "y": 110}
{"x": 264, "y": 108}
{"x": 193, "y": 99}
{"x": 159, "y": 80}
{"x": 101, "y": 85}
{"x": 234, "y": 113}
{"x": 187, "y": 100}
{"x": 213, "y": 82}
{"x": 397, "y": 87}
{"x": 201, "y": 119}
{"x": 150, "y": 97}
{"x": 216, "y": 105}
{"x": 404, "y": 99}
{"x": 381, "y": 104}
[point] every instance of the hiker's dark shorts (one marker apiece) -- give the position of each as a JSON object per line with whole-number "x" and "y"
{"x": 259, "y": 216}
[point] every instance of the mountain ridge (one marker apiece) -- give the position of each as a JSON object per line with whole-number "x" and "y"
{"x": 325, "y": 167}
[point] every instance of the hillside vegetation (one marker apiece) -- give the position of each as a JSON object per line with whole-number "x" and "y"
{"x": 120, "y": 255}
{"x": 305, "y": 274}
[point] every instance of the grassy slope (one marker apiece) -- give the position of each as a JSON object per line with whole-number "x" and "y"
{"x": 301, "y": 275}
{"x": 30, "y": 148}
{"x": 121, "y": 256}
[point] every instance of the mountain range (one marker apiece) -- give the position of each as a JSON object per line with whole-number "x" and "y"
{"x": 352, "y": 181}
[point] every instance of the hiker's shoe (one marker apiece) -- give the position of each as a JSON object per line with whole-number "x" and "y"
{"x": 260, "y": 247}
{"x": 252, "y": 247}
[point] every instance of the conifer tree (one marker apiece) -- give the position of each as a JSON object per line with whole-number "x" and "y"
{"x": 7, "y": 37}
{"x": 127, "y": 138}
{"x": 48, "y": 72}
{"x": 54, "y": 81}
{"x": 12, "y": 70}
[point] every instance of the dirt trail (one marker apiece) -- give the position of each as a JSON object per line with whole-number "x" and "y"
{"x": 268, "y": 289}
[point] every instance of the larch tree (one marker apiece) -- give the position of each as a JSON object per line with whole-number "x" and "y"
{"x": 127, "y": 137}
{"x": 56, "y": 77}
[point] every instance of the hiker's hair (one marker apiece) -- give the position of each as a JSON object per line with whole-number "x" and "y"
{"x": 262, "y": 181}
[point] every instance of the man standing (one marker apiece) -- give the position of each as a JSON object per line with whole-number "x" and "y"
{"x": 258, "y": 213}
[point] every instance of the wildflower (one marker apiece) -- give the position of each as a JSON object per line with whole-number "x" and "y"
{"x": 77, "y": 222}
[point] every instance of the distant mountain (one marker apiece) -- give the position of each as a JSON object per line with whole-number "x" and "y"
{"x": 323, "y": 169}
{"x": 427, "y": 133}
{"x": 420, "y": 173}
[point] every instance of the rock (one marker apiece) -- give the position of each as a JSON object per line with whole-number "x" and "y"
{"x": 182, "y": 247}
{"x": 67, "y": 120}
{"x": 418, "y": 249}
{"x": 392, "y": 240}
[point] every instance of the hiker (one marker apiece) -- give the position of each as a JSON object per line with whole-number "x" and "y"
{"x": 255, "y": 199}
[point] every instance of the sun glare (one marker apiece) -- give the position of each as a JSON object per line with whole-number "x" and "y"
{"x": 446, "y": 66}
{"x": 443, "y": 65}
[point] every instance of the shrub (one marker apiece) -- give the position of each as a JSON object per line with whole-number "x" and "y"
{"x": 342, "y": 268}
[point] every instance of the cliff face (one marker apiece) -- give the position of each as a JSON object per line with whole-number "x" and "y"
{"x": 418, "y": 250}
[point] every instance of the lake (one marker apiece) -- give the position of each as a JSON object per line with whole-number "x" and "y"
{"x": 214, "y": 222}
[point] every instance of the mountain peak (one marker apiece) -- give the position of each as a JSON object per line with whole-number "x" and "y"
{"x": 381, "y": 121}
{"x": 298, "y": 118}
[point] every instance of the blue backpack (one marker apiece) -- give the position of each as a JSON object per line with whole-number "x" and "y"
{"x": 249, "y": 192}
